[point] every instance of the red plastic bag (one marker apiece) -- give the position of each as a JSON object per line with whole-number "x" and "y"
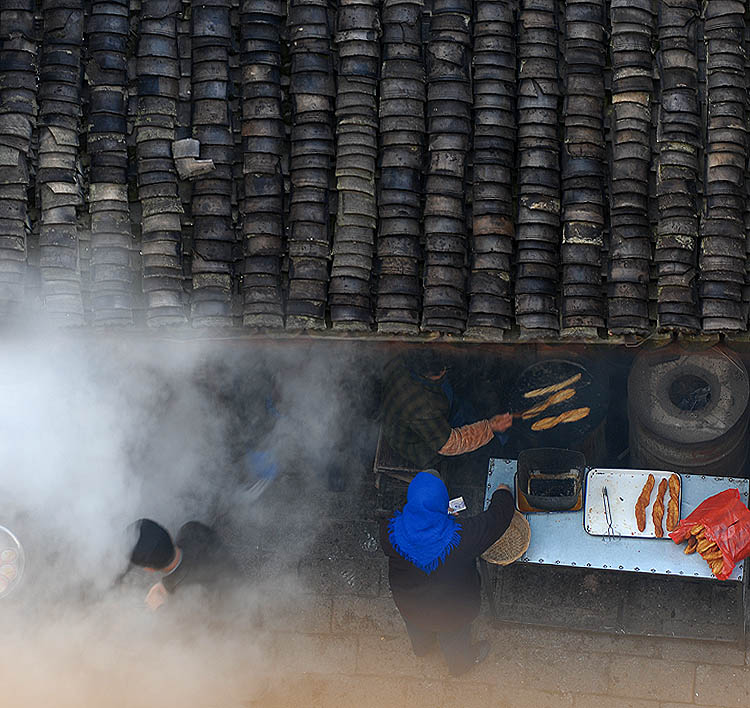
{"x": 726, "y": 521}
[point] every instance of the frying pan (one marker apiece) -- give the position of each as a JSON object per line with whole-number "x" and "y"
{"x": 589, "y": 393}
{"x": 12, "y": 562}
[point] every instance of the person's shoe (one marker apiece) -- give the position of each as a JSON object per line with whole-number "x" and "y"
{"x": 425, "y": 650}
{"x": 483, "y": 651}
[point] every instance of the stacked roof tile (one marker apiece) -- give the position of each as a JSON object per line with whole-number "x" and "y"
{"x": 475, "y": 168}
{"x": 18, "y": 110}
{"x": 402, "y": 129}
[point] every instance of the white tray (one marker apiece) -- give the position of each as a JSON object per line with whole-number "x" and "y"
{"x": 623, "y": 488}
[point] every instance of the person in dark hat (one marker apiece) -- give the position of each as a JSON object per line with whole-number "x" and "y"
{"x": 423, "y": 419}
{"x": 196, "y": 557}
{"x": 432, "y": 567}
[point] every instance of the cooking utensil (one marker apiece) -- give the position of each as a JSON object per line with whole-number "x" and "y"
{"x": 608, "y": 513}
{"x": 591, "y": 392}
{"x": 553, "y": 464}
{"x": 523, "y": 505}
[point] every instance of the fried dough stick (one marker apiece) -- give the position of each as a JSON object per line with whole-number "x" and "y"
{"x": 657, "y": 513}
{"x": 567, "y": 417}
{"x": 554, "y": 387}
{"x": 643, "y": 501}
{"x": 673, "y": 509}
{"x": 553, "y": 400}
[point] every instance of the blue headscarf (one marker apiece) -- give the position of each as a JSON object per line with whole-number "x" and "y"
{"x": 424, "y": 533}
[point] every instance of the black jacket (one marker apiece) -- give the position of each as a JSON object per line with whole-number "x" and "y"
{"x": 449, "y": 597}
{"x": 205, "y": 560}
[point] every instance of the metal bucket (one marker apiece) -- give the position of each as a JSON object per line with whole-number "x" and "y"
{"x": 12, "y": 562}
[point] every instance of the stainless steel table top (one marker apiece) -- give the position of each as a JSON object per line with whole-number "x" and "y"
{"x": 559, "y": 538}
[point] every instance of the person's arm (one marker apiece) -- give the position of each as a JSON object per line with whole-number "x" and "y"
{"x": 484, "y": 529}
{"x": 471, "y": 437}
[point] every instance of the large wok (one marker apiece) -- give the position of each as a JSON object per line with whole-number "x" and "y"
{"x": 590, "y": 392}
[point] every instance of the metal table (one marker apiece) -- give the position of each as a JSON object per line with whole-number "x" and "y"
{"x": 559, "y": 538}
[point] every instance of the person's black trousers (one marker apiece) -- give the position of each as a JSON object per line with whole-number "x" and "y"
{"x": 456, "y": 645}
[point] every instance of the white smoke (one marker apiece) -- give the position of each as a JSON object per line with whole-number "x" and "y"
{"x": 96, "y": 432}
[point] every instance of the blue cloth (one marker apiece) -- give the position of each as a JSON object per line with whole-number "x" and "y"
{"x": 261, "y": 464}
{"x": 461, "y": 410}
{"x": 424, "y": 533}
{"x": 271, "y": 408}
{"x": 502, "y": 437}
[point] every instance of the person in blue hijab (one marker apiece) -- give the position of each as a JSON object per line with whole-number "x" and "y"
{"x": 432, "y": 567}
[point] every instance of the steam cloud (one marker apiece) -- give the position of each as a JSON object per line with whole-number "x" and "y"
{"x": 96, "y": 432}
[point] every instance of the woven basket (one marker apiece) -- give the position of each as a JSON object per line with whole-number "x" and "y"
{"x": 512, "y": 544}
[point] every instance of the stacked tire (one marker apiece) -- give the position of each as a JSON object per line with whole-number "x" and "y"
{"x": 449, "y": 102}
{"x": 158, "y": 72}
{"x": 58, "y": 172}
{"x": 633, "y": 29}
{"x": 402, "y": 129}
{"x": 263, "y": 144}
{"x": 538, "y": 225}
{"x": 111, "y": 238}
{"x": 356, "y": 152}
{"x": 679, "y": 146}
{"x": 583, "y": 169}
{"x": 313, "y": 92}
{"x": 722, "y": 251}
{"x": 494, "y": 83}
{"x": 213, "y": 228}
{"x": 18, "y": 91}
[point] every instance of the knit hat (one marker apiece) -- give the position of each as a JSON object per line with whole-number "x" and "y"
{"x": 154, "y": 547}
{"x": 426, "y": 361}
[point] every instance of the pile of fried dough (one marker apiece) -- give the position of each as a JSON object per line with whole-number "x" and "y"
{"x": 697, "y": 541}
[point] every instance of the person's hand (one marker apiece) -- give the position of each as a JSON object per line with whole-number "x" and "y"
{"x": 156, "y": 597}
{"x": 500, "y": 423}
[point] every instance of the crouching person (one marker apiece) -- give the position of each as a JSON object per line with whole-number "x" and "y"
{"x": 432, "y": 568}
{"x": 196, "y": 557}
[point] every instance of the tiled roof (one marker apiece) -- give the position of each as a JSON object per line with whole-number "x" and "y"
{"x": 477, "y": 168}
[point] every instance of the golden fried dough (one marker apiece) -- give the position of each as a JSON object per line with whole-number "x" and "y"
{"x": 554, "y": 387}
{"x": 657, "y": 513}
{"x": 553, "y": 400}
{"x": 673, "y": 509}
{"x": 567, "y": 417}
{"x": 643, "y": 501}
